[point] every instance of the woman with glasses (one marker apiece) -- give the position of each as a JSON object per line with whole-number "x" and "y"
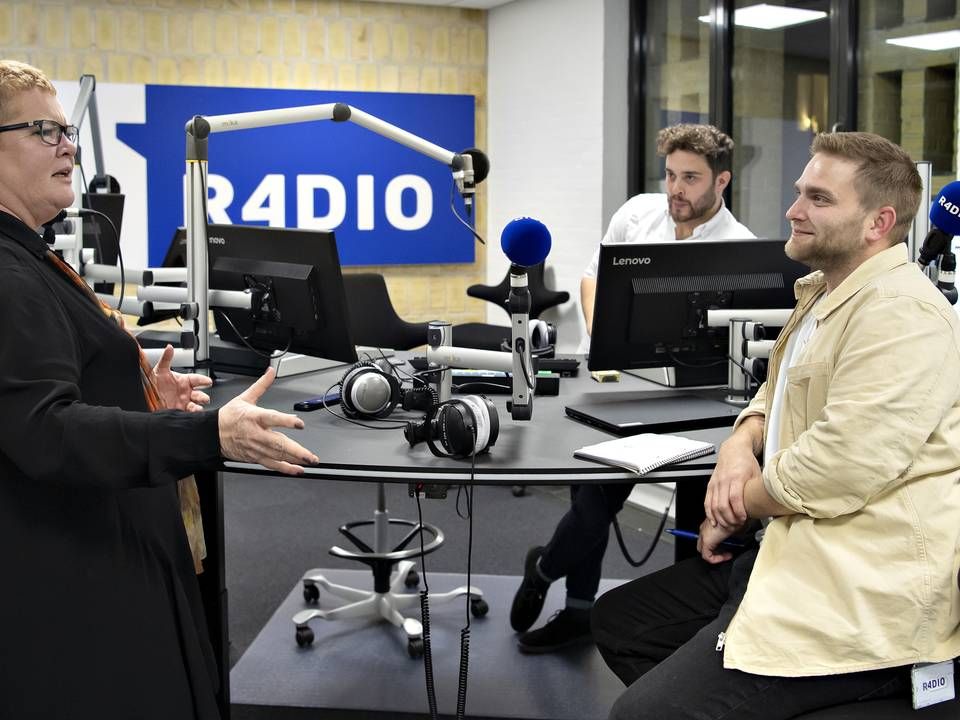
{"x": 100, "y": 614}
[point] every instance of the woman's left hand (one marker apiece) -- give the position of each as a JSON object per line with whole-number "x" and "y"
{"x": 180, "y": 391}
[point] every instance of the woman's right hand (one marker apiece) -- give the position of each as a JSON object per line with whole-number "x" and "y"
{"x": 246, "y": 435}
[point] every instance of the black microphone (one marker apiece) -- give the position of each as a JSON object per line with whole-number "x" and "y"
{"x": 474, "y": 166}
{"x": 946, "y": 277}
{"x": 945, "y": 218}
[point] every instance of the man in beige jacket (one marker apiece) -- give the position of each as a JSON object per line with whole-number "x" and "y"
{"x": 858, "y": 430}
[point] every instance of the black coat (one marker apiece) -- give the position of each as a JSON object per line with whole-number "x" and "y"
{"x": 100, "y": 611}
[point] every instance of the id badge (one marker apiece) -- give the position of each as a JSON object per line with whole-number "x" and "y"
{"x": 932, "y": 683}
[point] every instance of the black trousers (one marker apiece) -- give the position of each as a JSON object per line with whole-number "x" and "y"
{"x": 576, "y": 549}
{"x": 659, "y": 635}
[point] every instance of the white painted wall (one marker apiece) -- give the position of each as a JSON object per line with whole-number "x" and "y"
{"x": 557, "y": 135}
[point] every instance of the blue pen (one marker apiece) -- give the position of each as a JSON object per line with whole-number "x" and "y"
{"x": 693, "y": 536}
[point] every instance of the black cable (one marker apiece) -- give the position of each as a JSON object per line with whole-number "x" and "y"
{"x": 523, "y": 366}
{"x": 747, "y": 372}
{"x": 656, "y": 536}
{"x": 463, "y": 222}
{"x": 425, "y": 620}
{"x": 96, "y": 238}
{"x": 727, "y": 358}
{"x": 269, "y": 355}
{"x": 116, "y": 235}
{"x": 465, "y": 631}
{"x": 682, "y": 363}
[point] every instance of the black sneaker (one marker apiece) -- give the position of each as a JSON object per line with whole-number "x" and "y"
{"x": 567, "y": 627}
{"x": 528, "y": 602}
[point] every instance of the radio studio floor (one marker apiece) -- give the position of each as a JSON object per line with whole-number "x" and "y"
{"x": 277, "y": 528}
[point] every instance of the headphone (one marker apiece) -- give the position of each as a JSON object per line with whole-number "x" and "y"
{"x": 543, "y": 338}
{"x": 457, "y": 428}
{"x": 367, "y": 391}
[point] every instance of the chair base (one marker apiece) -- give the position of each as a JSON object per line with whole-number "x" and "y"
{"x": 380, "y": 605}
{"x": 393, "y": 573}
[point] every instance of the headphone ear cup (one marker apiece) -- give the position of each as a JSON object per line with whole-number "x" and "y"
{"x": 479, "y": 424}
{"x": 539, "y": 334}
{"x": 455, "y": 437}
{"x": 368, "y": 392}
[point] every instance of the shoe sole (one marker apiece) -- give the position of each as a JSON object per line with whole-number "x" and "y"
{"x": 544, "y": 649}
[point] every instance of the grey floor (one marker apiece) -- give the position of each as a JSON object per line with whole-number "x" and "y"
{"x": 276, "y": 528}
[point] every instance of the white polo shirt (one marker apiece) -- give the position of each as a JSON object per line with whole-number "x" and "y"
{"x": 646, "y": 218}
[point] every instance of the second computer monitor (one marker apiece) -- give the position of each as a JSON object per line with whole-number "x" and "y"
{"x": 651, "y": 302}
{"x": 295, "y": 274}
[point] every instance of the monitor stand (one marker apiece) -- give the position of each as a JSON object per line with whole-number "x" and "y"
{"x": 230, "y": 357}
{"x": 683, "y": 376}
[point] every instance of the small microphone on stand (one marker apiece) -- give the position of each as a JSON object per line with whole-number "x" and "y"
{"x": 946, "y": 277}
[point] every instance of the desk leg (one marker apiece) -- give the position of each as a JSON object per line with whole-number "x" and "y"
{"x": 690, "y": 496}
{"x": 213, "y": 585}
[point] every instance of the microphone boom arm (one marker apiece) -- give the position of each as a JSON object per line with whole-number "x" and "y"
{"x": 199, "y": 128}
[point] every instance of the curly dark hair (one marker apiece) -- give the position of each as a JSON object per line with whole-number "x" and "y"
{"x": 705, "y": 140}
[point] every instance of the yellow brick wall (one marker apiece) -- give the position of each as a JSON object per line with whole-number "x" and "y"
{"x": 313, "y": 44}
{"x": 877, "y": 56}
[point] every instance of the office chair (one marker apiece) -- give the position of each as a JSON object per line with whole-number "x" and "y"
{"x": 485, "y": 336}
{"x": 392, "y": 570}
{"x": 378, "y": 325}
{"x": 541, "y": 298}
{"x": 376, "y": 322}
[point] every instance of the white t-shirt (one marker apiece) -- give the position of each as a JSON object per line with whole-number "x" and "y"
{"x": 646, "y": 218}
{"x": 791, "y": 356}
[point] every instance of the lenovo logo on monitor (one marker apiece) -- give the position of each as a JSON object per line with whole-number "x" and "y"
{"x": 631, "y": 260}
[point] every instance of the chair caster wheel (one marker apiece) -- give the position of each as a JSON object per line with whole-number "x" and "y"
{"x": 412, "y": 579}
{"x": 415, "y": 647}
{"x": 311, "y": 593}
{"x": 518, "y": 490}
{"x": 304, "y": 636}
{"x": 479, "y": 607}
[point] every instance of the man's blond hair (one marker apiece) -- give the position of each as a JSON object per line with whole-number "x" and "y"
{"x": 885, "y": 174}
{"x": 17, "y": 77}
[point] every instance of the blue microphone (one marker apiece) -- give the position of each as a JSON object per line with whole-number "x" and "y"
{"x": 526, "y": 242}
{"x": 945, "y": 218}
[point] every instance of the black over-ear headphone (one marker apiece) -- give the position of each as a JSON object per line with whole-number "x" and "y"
{"x": 366, "y": 391}
{"x": 457, "y": 428}
{"x": 543, "y": 338}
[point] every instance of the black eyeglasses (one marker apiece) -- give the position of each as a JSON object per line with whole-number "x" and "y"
{"x": 50, "y": 131}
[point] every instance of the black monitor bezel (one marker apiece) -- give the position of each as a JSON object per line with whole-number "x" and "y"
{"x": 610, "y": 347}
{"x": 330, "y": 338}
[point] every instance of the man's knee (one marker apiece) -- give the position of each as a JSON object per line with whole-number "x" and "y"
{"x": 638, "y": 703}
{"x": 604, "y": 617}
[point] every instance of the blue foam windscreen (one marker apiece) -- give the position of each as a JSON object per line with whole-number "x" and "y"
{"x": 945, "y": 210}
{"x": 525, "y": 241}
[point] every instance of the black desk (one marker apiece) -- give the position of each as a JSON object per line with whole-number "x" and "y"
{"x": 537, "y": 452}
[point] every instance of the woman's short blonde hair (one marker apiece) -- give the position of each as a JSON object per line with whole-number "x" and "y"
{"x": 17, "y": 77}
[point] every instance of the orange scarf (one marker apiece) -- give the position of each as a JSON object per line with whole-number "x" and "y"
{"x": 187, "y": 487}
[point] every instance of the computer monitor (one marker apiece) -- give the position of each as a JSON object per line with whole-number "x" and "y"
{"x": 294, "y": 274}
{"x": 650, "y": 309}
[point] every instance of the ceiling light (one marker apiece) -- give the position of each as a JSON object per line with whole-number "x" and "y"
{"x": 771, "y": 17}
{"x": 929, "y": 41}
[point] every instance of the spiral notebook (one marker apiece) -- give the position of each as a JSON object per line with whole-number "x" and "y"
{"x": 645, "y": 452}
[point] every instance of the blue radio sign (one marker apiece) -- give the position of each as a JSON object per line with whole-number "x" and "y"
{"x": 388, "y": 204}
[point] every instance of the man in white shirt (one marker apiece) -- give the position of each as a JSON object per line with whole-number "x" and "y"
{"x": 697, "y": 160}
{"x": 697, "y": 170}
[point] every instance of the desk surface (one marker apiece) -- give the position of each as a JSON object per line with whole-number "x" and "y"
{"x": 537, "y": 452}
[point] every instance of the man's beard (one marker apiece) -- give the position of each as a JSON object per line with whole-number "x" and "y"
{"x": 694, "y": 211}
{"x": 831, "y": 248}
